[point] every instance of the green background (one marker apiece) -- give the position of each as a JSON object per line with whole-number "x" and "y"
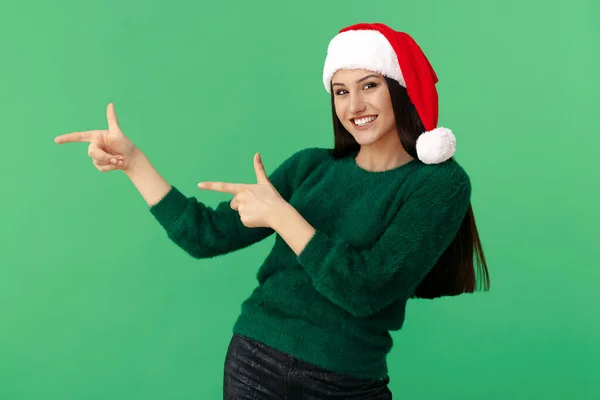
{"x": 97, "y": 303}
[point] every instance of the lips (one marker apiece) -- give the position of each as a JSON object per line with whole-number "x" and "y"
{"x": 367, "y": 125}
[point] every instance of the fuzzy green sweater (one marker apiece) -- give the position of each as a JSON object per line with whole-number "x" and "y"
{"x": 377, "y": 236}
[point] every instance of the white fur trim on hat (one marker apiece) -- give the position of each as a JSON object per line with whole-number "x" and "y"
{"x": 361, "y": 49}
{"x": 436, "y": 146}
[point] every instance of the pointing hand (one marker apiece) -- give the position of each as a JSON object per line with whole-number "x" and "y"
{"x": 257, "y": 203}
{"x": 109, "y": 149}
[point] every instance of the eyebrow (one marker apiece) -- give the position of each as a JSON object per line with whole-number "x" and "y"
{"x": 358, "y": 81}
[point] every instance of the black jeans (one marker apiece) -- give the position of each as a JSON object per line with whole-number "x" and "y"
{"x": 254, "y": 371}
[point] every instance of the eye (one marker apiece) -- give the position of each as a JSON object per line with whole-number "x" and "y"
{"x": 367, "y": 85}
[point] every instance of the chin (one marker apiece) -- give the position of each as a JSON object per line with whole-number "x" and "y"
{"x": 365, "y": 138}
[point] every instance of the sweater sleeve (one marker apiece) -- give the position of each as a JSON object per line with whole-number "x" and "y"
{"x": 205, "y": 232}
{"x": 365, "y": 280}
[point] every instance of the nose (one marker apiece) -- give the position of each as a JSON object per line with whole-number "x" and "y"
{"x": 357, "y": 104}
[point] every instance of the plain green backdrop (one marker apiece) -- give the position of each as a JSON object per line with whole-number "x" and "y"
{"x": 97, "y": 303}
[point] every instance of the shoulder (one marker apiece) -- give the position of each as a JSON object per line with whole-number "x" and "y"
{"x": 309, "y": 154}
{"x": 298, "y": 164}
{"x": 447, "y": 180}
{"x": 307, "y": 158}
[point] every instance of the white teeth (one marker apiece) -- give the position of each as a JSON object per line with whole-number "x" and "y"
{"x": 363, "y": 121}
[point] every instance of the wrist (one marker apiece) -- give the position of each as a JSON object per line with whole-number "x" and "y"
{"x": 281, "y": 213}
{"x": 136, "y": 162}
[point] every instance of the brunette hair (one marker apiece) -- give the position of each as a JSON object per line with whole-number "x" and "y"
{"x": 456, "y": 271}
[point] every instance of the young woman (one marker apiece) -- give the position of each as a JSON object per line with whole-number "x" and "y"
{"x": 383, "y": 217}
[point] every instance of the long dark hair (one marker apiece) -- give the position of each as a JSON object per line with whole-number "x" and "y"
{"x": 455, "y": 272}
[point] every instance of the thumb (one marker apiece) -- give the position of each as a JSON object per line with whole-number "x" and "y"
{"x": 259, "y": 168}
{"x": 111, "y": 116}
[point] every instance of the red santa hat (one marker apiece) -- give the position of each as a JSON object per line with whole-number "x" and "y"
{"x": 396, "y": 55}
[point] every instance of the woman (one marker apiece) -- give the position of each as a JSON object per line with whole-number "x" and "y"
{"x": 383, "y": 217}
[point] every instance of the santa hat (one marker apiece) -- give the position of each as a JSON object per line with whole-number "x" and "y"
{"x": 377, "y": 47}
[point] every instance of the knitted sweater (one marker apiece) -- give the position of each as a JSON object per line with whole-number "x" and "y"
{"x": 377, "y": 235}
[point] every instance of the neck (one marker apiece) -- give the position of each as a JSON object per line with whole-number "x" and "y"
{"x": 382, "y": 156}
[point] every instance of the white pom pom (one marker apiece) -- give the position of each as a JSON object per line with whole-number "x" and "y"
{"x": 436, "y": 146}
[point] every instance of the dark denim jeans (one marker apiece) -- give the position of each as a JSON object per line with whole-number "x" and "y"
{"x": 254, "y": 371}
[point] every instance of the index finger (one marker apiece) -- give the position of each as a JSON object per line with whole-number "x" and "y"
{"x": 86, "y": 136}
{"x": 233, "y": 188}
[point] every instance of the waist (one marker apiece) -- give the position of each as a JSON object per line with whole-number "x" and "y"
{"x": 338, "y": 347}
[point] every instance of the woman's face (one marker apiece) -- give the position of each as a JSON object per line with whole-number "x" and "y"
{"x": 363, "y": 105}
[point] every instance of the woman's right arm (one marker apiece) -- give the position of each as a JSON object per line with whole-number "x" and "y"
{"x": 151, "y": 185}
{"x": 200, "y": 230}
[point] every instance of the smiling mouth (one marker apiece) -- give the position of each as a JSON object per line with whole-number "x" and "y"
{"x": 364, "y": 122}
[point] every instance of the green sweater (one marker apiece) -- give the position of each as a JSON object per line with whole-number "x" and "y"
{"x": 377, "y": 235}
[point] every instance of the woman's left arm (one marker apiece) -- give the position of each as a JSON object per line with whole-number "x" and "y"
{"x": 365, "y": 280}
{"x": 292, "y": 227}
